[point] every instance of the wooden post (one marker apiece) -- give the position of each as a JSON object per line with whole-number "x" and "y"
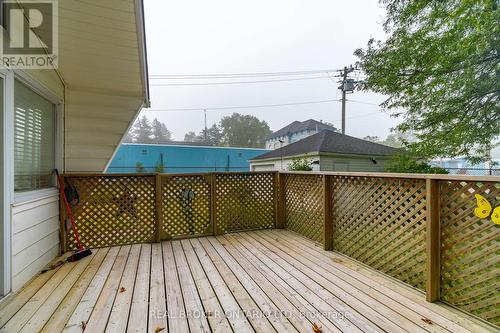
{"x": 158, "y": 206}
{"x": 213, "y": 220}
{"x": 280, "y": 200}
{"x": 327, "y": 214}
{"x": 433, "y": 229}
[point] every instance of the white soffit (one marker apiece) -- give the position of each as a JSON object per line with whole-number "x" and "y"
{"x": 102, "y": 61}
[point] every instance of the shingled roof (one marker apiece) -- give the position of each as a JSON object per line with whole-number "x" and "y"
{"x": 298, "y": 126}
{"x": 329, "y": 142}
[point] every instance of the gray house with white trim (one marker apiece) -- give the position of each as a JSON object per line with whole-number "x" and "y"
{"x": 328, "y": 151}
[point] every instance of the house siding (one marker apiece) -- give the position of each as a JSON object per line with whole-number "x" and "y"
{"x": 35, "y": 237}
{"x": 352, "y": 164}
{"x": 35, "y": 222}
{"x": 327, "y": 163}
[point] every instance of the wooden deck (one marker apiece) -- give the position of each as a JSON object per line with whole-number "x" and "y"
{"x": 261, "y": 281}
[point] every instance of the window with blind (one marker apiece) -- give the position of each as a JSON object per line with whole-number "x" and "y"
{"x": 34, "y": 140}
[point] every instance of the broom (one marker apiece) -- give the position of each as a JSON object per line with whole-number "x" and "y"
{"x": 81, "y": 252}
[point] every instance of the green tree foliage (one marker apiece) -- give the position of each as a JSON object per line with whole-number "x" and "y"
{"x": 139, "y": 167}
{"x": 403, "y": 163}
{"x": 214, "y": 135}
{"x": 160, "y": 133}
{"x": 159, "y": 168}
{"x": 191, "y": 137}
{"x": 300, "y": 164}
{"x": 397, "y": 139}
{"x": 235, "y": 130}
{"x": 440, "y": 64}
{"x": 244, "y": 131}
{"x": 144, "y": 131}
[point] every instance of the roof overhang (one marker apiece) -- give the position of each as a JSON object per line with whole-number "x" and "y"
{"x": 319, "y": 153}
{"x": 103, "y": 63}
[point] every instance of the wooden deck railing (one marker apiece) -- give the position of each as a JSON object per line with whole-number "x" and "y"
{"x": 420, "y": 229}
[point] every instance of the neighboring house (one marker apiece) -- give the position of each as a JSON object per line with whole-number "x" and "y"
{"x": 72, "y": 117}
{"x": 328, "y": 151}
{"x": 460, "y": 166}
{"x": 296, "y": 131}
{"x": 182, "y": 157}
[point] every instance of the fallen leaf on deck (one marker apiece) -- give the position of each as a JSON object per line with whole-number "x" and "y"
{"x": 337, "y": 260}
{"x": 83, "y": 325}
{"x": 316, "y": 328}
{"x": 122, "y": 289}
{"x": 427, "y": 321}
{"x": 159, "y": 329}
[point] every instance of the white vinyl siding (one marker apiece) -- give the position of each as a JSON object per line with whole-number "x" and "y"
{"x": 34, "y": 139}
{"x": 35, "y": 237}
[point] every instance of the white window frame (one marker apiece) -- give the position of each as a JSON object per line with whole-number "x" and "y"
{"x": 28, "y": 81}
{"x": 7, "y": 156}
{"x": 11, "y": 198}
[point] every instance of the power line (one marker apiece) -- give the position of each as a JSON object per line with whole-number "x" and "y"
{"x": 237, "y": 82}
{"x": 361, "y": 102}
{"x": 236, "y": 75}
{"x": 244, "y": 106}
{"x": 264, "y": 105}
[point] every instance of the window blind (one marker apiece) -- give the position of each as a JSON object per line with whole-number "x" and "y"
{"x": 34, "y": 140}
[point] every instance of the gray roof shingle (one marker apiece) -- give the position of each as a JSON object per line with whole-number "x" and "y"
{"x": 298, "y": 126}
{"x": 330, "y": 142}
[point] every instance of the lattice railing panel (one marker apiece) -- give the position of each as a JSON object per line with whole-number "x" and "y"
{"x": 113, "y": 210}
{"x": 470, "y": 253}
{"x": 185, "y": 206}
{"x": 381, "y": 222}
{"x": 304, "y": 205}
{"x": 244, "y": 201}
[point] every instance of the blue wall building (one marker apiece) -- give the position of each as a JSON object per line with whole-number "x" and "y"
{"x": 181, "y": 158}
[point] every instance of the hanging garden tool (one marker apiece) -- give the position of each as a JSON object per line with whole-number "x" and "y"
{"x": 81, "y": 252}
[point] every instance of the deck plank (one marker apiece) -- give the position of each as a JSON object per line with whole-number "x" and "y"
{"x": 26, "y": 312}
{"x": 17, "y": 301}
{"x": 349, "y": 280}
{"x": 62, "y": 314}
{"x": 84, "y": 308}
{"x": 403, "y": 294}
{"x": 350, "y": 292}
{"x": 228, "y": 283}
{"x": 177, "y": 321}
{"x": 265, "y": 304}
{"x": 299, "y": 298}
{"x": 195, "y": 314}
{"x": 321, "y": 298}
{"x": 257, "y": 318}
{"x": 102, "y": 309}
{"x": 364, "y": 316}
{"x": 269, "y": 289}
{"x": 213, "y": 309}
{"x": 138, "y": 317}
{"x": 157, "y": 299}
{"x": 235, "y": 314}
{"x": 118, "y": 318}
{"x": 43, "y": 314}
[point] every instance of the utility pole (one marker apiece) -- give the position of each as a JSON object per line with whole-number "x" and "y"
{"x": 347, "y": 86}
{"x": 206, "y": 129}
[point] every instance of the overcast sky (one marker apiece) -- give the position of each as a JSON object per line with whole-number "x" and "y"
{"x": 227, "y": 36}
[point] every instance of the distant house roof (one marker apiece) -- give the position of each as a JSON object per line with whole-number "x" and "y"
{"x": 298, "y": 126}
{"x": 328, "y": 141}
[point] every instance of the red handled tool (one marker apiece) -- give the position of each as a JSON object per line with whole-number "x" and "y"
{"x": 81, "y": 252}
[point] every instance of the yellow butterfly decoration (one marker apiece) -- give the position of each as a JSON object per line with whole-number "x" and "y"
{"x": 484, "y": 209}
